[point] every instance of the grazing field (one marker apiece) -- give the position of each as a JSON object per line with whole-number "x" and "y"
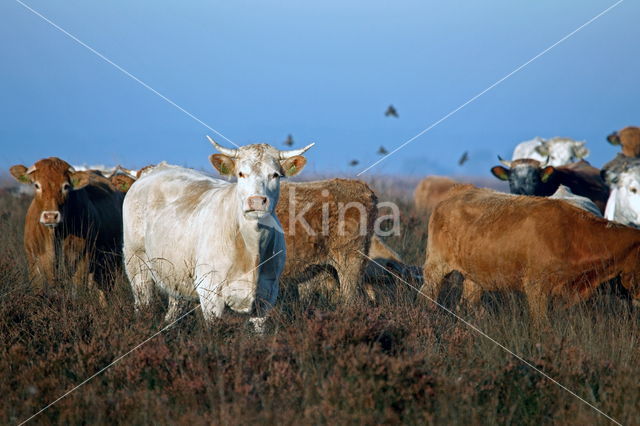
{"x": 317, "y": 363}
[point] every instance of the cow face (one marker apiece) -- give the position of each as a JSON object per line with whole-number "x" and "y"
{"x": 562, "y": 151}
{"x": 624, "y": 204}
{"x": 53, "y": 180}
{"x": 525, "y": 176}
{"x": 258, "y": 169}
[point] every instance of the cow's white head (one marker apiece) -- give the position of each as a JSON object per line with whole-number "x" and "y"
{"x": 625, "y": 198}
{"x": 561, "y": 151}
{"x": 258, "y": 168}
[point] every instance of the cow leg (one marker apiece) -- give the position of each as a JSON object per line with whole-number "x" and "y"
{"x": 211, "y": 301}
{"x": 471, "y": 293}
{"x": 141, "y": 280}
{"x": 349, "y": 277}
{"x": 434, "y": 274}
{"x": 176, "y": 308}
{"x": 538, "y": 303}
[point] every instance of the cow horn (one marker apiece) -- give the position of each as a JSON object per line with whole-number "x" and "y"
{"x": 505, "y": 162}
{"x": 233, "y": 153}
{"x": 292, "y": 153}
{"x": 545, "y": 162}
{"x": 124, "y": 170}
{"x": 31, "y": 169}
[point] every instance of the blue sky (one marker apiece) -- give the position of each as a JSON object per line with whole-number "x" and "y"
{"x": 322, "y": 71}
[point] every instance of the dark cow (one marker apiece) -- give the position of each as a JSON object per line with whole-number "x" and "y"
{"x": 530, "y": 177}
{"x": 74, "y": 221}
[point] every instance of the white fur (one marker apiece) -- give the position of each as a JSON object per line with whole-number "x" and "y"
{"x": 564, "y": 193}
{"x": 623, "y": 205}
{"x": 560, "y": 151}
{"x": 190, "y": 253}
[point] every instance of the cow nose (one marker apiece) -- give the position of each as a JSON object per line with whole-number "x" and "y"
{"x": 50, "y": 218}
{"x": 258, "y": 203}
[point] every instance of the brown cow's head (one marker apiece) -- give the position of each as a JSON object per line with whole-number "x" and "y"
{"x": 525, "y": 176}
{"x": 628, "y": 139}
{"x": 53, "y": 180}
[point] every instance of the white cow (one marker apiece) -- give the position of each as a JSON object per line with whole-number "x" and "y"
{"x": 203, "y": 239}
{"x": 564, "y": 193}
{"x": 555, "y": 151}
{"x": 623, "y": 205}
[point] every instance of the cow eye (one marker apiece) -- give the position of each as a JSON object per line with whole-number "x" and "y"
{"x": 242, "y": 175}
{"x": 66, "y": 186}
{"x": 634, "y": 190}
{"x": 37, "y": 185}
{"x": 276, "y": 175}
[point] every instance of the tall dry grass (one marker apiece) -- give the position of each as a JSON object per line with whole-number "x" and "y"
{"x": 318, "y": 363}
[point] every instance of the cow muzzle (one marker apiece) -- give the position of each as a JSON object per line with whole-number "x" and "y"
{"x": 257, "y": 206}
{"x": 50, "y": 218}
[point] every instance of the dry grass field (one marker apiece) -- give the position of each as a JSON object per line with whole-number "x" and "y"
{"x": 397, "y": 362}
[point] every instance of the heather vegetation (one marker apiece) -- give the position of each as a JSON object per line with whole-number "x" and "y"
{"x": 401, "y": 361}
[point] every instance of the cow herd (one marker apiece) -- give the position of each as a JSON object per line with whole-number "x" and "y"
{"x": 229, "y": 243}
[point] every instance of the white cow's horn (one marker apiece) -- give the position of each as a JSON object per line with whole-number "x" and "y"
{"x": 505, "y": 162}
{"x": 292, "y": 153}
{"x": 545, "y": 162}
{"x": 31, "y": 169}
{"x": 233, "y": 153}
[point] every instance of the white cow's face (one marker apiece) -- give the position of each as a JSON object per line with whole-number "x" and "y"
{"x": 628, "y": 198}
{"x": 258, "y": 169}
{"x": 561, "y": 152}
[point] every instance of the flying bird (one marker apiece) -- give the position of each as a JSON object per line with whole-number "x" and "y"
{"x": 391, "y": 112}
{"x": 289, "y": 140}
{"x": 382, "y": 150}
{"x": 464, "y": 158}
{"x": 354, "y": 162}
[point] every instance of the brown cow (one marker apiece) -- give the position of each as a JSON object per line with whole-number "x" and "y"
{"x": 628, "y": 139}
{"x": 530, "y": 177}
{"x": 430, "y": 191}
{"x": 75, "y": 219}
{"x": 327, "y": 225}
{"x": 542, "y": 247}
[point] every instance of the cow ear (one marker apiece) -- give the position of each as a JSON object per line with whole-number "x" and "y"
{"x": 546, "y": 173}
{"x": 223, "y": 164}
{"x": 580, "y": 150}
{"x": 293, "y": 165}
{"x": 614, "y": 138}
{"x": 122, "y": 182}
{"x": 79, "y": 179}
{"x": 500, "y": 172}
{"x": 19, "y": 172}
{"x": 542, "y": 150}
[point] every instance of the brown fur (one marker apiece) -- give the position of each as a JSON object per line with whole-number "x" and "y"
{"x": 630, "y": 141}
{"x": 193, "y": 195}
{"x": 430, "y": 191}
{"x": 540, "y": 246}
{"x": 340, "y": 253}
{"x": 88, "y": 239}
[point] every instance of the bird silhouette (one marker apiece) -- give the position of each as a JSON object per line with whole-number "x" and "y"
{"x": 289, "y": 140}
{"x": 354, "y": 162}
{"x": 391, "y": 112}
{"x": 382, "y": 150}
{"x": 464, "y": 158}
